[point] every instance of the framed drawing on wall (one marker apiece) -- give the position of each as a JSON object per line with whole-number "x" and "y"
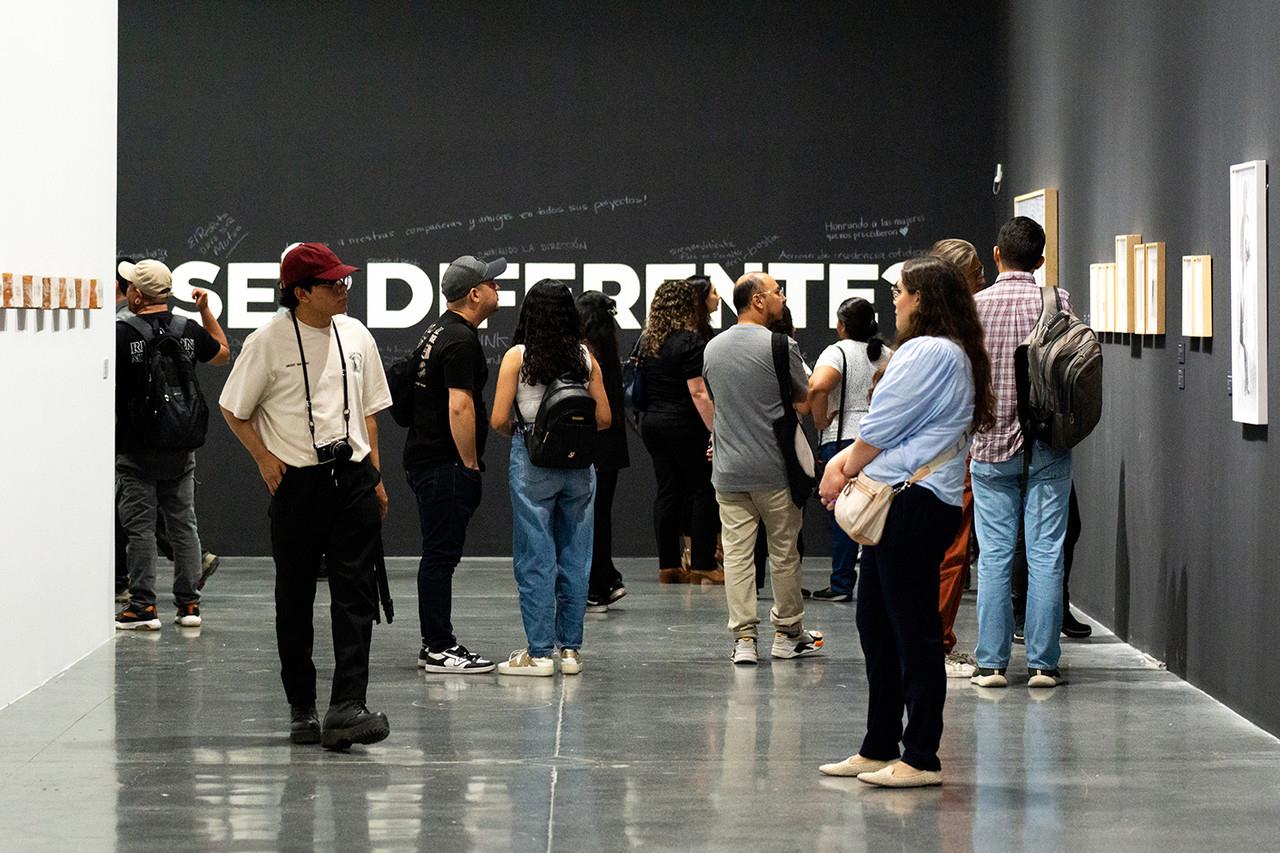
{"x": 1155, "y": 287}
{"x": 1138, "y": 275}
{"x": 1125, "y": 244}
{"x": 1042, "y": 206}
{"x": 1197, "y": 296}
{"x": 1249, "y": 292}
{"x": 1098, "y": 298}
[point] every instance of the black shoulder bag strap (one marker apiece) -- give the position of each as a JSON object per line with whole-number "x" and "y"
{"x": 844, "y": 382}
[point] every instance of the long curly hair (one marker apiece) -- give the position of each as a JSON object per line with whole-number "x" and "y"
{"x": 674, "y": 308}
{"x": 947, "y": 310}
{"x": 551, "y": 332}
{"x": 702, "y": 286}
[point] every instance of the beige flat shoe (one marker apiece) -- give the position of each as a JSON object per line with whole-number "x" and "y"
{"x": 853, "y": 765}
{"x": 886, "y": 778}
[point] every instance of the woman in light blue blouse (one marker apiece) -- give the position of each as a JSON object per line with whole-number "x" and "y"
{"x": 935, "y": 393}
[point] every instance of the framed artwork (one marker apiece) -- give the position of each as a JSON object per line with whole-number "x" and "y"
{"x": 29, "y": 295}
{"x": 1249, "y": 292}
{"x": 1138, "y": 275}
{"x": 95, "y": 295}
{"x": 1098, "y": 297}
{"x": 1109, "y": 287}
{"x": 1125, "y": 244}
{"x": 1154, "y": 284}
{"x": 1042, "y": 206}
{"x": 8, "y": 295}
{"x": 1197, "y": 296}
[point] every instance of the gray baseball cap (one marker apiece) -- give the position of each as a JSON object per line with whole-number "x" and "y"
{"x": 467, "y": 272}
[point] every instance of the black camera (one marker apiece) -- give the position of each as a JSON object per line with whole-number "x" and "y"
{"x": 338, "y": 450}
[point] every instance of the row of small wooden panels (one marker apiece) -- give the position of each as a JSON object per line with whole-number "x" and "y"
{"x": 50, "y": 292}
{"x": 1128, "y": 295}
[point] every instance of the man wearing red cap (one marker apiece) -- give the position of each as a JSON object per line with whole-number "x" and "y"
{"x": 302, "y": 398}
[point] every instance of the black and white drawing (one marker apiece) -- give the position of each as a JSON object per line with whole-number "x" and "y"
{"x": 1249, "y": 292}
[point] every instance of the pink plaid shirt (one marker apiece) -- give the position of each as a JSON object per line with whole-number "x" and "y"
{"x": 1008, "y": 309}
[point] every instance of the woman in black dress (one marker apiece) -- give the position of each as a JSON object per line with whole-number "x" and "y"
{"x": 600, "y": 330}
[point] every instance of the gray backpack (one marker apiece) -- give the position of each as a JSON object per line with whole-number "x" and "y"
{"x": 1058, "y": 370}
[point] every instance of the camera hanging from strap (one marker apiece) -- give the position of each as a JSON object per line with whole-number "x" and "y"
{"x": 306, "y": 383}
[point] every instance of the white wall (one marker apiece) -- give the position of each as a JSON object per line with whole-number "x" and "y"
{"x": 57, "y": 217}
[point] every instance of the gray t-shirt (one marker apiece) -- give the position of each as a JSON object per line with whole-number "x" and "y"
{"x": 738, "y": 369}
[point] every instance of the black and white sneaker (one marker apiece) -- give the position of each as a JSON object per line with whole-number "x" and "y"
{"x": 830, "y": 594}
{"x": 597, "y": 605}
{"x": 616, "y": 592}
{"x": 454, "y": 660}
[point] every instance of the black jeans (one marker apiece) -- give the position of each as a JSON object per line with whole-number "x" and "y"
{"x": 448, "y": 496}
{"x": 680, "y": 464}
{"x": 327, "y": 511}
{"x": 901, "y": 630}
{"x": 603, "y": 573}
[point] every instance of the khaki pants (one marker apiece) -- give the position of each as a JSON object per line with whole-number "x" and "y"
{"x": 741, "y": 514}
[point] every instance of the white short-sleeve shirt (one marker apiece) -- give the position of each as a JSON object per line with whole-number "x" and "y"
{"x": 266, "y": 386}
{"x": 856, "y": 372}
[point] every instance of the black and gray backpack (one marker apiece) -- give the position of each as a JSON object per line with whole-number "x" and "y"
{"x": 172, "y": 413}
{"x": 1058, "y": 370}
{"x": 563, "y": 433}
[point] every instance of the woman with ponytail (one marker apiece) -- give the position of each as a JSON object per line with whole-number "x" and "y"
{"x": 839, "y": 395}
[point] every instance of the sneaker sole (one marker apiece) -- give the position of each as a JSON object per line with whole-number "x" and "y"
{"x": 208, "y": 572}
{"x": 989, "y": 681}
{"x": 617, "y": 595}
{"x": 570, "y": 669}
{"x": 746, "y": 661}
{"x": 149, "y": 625}
{"x": 189, "y": 621}
{"x": 835, "y": 598}
{"x": 528, "y": 671}
{"x": 597, "y": 608}
{"x": 1042, "y": 682}
{"x": 456, "y": 670}
{"x": 372, "y": 731}
{"x": 788, "y": 654}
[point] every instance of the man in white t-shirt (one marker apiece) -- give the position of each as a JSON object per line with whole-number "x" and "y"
{"x": 302, "y": 398}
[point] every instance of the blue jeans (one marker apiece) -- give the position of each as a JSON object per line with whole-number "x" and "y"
{"x": 844, "y": 551}
{"x": 553, "y": 511}
{"x": 998, "y": 501}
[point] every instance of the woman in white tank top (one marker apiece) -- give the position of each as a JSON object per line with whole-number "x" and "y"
{"x": 551, "y": 508}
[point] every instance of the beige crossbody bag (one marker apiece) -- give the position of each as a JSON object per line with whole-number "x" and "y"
{"x": 863, "y": 505}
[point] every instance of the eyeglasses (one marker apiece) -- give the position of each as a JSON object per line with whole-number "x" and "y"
{"x": 344, "y": 283}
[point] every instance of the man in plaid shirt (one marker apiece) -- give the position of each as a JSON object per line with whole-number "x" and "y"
{"x": 1008, "y": 310}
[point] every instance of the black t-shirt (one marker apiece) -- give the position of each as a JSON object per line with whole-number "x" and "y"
{"x": 455, "y": 359}
{"x": 611, "y": 444}
{"x": 667, "y": 377}
{"x": 131, "y": 363}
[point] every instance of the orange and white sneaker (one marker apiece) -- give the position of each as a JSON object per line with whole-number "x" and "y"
{"x": 188, "y": 615}
{"x": 135, "y": 618}
{"x": 797, "y": 645}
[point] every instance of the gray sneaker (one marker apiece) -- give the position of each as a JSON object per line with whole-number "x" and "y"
{"x": 744, "y": 652}
{"x": 798, "y": 645}
{"x": 960, "y": 665}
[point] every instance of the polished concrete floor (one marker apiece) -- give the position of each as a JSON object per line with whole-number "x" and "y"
{"x": 176, "y": 740}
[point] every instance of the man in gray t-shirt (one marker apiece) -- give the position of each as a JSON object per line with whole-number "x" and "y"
{"x": 748, "y": 471}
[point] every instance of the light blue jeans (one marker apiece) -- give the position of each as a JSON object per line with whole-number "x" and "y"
{"x": 998, "y": 500}
{"x": 553, "y": 510}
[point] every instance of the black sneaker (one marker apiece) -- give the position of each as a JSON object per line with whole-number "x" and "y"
{"x": 804, "y": 593}
{"x": 188, "y": 615}
{"x": 616, "y": 592}
{"x": 304, "y": 725}
{"x": 1074, "y": 628}
{"x": 828, "y": 594}
{"x": 454, "y": 660}
{"x": 351, "y": 722}
{"x": 1044, "y": 678}
{"x": 597, "y": 604}
{"x": 135, "y": 618}
{"x": 1020, "y": 634}
{"x": 209, "y": 563}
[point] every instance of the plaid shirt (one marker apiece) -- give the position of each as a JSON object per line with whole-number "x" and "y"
{"x": 1008, "y": 309}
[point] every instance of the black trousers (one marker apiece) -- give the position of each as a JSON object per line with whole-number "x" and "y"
{"x": 603, "y": 573}
{"x": 683, "y": 472}
{"x": 327, "y": 511}
{"x": 901, "y": 630}
{"x": 448, "y": 496}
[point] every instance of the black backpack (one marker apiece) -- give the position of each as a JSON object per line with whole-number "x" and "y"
{"x": 563, "y": 434}
{"x": 171, "y": 414}
{"x": 403, "y": 377}
{"x": 1058, "y": 370}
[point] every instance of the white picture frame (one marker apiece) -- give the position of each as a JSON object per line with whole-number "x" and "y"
{"x": 1138, "y": 276}
{"x": 1098, "y": 298}
{"x": 1125, "y": 244}
{"x": 1249, "y": 292}
{"x": 1155, "y": 288}
{"x": 1042, "y": 206}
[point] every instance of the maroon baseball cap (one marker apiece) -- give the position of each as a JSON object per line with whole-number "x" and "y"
{"x": 312, "y": 261}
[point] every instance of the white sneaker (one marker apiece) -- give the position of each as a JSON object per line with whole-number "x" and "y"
{"x": 960, "y": 665}
{"x": 522, "y": 663}
{"x": 744, "y": 652}
{"x": 798, "y": 645}
{"x": 570, "y": 662}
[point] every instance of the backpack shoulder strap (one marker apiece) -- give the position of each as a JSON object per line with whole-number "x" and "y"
{"x": 139, "y": 325}
{"x": 1049, "y": 302}
{"x": 177, "y": 326}
{"x": 782, "y": 367}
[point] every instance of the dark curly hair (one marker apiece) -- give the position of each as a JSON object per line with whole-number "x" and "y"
{"x": 947, "y": 310}
{"x": 702, "y": 289}
{"x": 674, "y": 308}
{"x": 551, "y": 332}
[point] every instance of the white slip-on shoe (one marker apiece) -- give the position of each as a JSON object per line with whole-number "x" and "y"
{"x": 886, "y": 778}
{"x": 853, "y": 765}
{"x": 986, "y": 677}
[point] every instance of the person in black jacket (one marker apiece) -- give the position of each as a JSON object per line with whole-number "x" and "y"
{"x": 600, "y": 331}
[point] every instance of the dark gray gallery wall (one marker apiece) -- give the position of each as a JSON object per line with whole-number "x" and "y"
{"x": 1135, "y": 112}
{"x": 731, "y": 132}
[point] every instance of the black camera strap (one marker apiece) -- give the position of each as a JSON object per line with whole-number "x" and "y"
{"x": 306, "y": 383}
